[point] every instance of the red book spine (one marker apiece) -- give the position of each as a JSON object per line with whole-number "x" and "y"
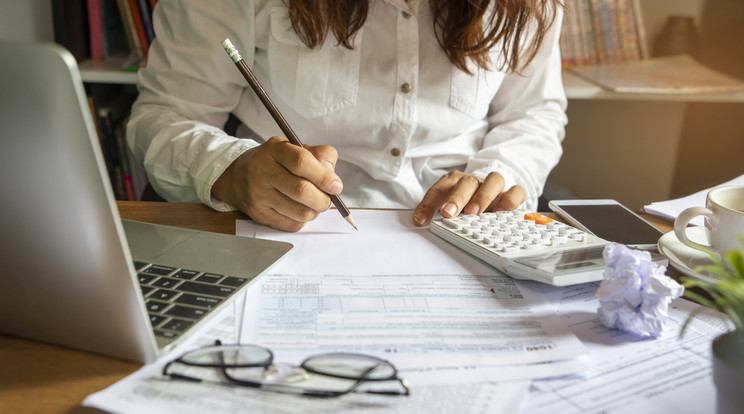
{"x": 95, "y": 27}
{"x": 137, "y": 17}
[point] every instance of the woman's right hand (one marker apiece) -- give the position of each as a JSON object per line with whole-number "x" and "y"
{"x": 281, "y": 184}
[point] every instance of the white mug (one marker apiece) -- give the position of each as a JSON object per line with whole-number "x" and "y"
{"x": 724, "y": 212}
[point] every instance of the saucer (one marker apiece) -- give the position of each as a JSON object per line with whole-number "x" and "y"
{"x": 683, "y": 257}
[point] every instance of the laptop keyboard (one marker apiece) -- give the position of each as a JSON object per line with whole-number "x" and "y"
{"x": 177, "y": 298}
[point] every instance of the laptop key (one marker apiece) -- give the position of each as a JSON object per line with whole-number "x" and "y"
{"x": 166, "y": 334}
{"x": 212, "y": 290}
{"x": 185, "y": 274}
{"x": 209, "y": 278}
{"x": 186, "y": 312}
{"x": 146, "y": 290}
{"x": 159, "y": 270}
{"x": 139, "y": 264}
{"x": 165, "y": 282}
{"x": 198, "y": 300}
{"x": 145, "y": 279}
{"x": 177, "y": 325}
{"x": 163, "y": 294}
{"x": 156, "y": 320}
{"x": 155, "y": 306}
{"x": 234, "y": 281}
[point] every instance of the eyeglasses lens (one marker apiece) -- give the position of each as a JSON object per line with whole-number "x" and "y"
{"x": 350, "y": 366}
{"x": 229, "y": 356}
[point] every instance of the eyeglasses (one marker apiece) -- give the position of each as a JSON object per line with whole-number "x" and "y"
{"x": 324, "y": 375}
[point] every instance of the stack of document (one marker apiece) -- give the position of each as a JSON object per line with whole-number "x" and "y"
{"x": 466, "y": 337}
{"x": 670, "y": 209}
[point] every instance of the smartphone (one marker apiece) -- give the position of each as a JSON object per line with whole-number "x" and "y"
{"x": 610, "y": 220}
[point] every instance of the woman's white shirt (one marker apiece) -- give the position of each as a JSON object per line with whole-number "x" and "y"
{"x": 398, "y": 112}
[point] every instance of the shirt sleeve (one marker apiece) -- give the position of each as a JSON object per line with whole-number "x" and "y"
{"x": 527, "y": 123}
{"x": 186, "y": 93}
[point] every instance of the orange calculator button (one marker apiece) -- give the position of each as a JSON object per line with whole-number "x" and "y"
{"x": 544, "y": 220}
{"x": 532, "y": 216}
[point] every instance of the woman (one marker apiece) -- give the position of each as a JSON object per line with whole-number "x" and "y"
{"x": 437, "y": 105}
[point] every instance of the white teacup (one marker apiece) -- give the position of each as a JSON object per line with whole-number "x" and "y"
{"x": 724, "y": 212}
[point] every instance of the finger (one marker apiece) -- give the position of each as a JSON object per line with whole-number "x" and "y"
{"x": 302, "y": 163}
{"x": 271, "y": 216}
{"x": 509, "y": 199}
{"x": 325, "y": 154}
{"x": 466, "y": 186}
{"x": 434, "y": 197}
{"x": 280, "y": 219}
{"x": 491, "y": 187}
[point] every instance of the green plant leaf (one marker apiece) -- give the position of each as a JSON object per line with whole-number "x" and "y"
{"x": 725, "y": 288}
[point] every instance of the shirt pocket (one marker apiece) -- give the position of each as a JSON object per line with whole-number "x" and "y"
{"x": 472, "y": 94}
{"x": 314, "y": 82}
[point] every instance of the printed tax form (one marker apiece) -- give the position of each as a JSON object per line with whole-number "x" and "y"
{"x": 399, "y": 292}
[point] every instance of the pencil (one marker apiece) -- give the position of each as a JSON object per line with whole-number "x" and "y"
{"x": 278, "y": 117}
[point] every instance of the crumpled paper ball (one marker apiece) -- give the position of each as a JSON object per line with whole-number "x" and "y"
{"x": 635, "y": 293}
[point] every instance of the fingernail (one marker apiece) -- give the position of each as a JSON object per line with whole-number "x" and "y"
{"x": 419, "y": 219}
{"x": 472, "y": 209}
{"x": 336, "y": 187}
{"x": 450, "y": 209}
{"x": 329, "y": 165}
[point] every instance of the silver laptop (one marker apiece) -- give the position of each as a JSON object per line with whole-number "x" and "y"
{"x": 74, "y": 273}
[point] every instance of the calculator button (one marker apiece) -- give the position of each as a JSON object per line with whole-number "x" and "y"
{"x": 544, "y": 220}
{"x": 559, "y": 240}
{"x": 510, "y": 249}
{"x": 451, "y": 223}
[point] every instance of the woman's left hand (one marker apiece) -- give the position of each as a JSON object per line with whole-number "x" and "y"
{"x": 460, "y": 192}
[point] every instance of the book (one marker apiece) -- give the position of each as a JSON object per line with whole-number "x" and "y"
{"x": 95, "y": 30}
{"x": 602, "y": 31}
{"x": 126, "y": 18}
{"x": 138, "y": 25}
{"x": 110, "y": 106}
{"x": 144, "y": 8}
{"x": 668, "y": 74}
{"x": 70, "y": 18}
{"x": 115, "y": 41}
{"x": 106, "y": 28}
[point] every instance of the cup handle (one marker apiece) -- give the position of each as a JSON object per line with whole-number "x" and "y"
{"x": 680, "y": 227}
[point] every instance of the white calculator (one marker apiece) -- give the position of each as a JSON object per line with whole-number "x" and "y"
{"x": 527, "y": 245}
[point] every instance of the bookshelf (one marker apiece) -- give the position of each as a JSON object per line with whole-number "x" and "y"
{"x": 581, "y": 89}
{"x": 109, "y": 71}
{"x": 605, "y": 130}
{"x": 576, "y": 87}
{"x": 640, "y": 148}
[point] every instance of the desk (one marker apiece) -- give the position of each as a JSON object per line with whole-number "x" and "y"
{"x": 41, "y": 378}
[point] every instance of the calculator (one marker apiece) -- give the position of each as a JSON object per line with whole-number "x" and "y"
{"x": 527, "y": 245}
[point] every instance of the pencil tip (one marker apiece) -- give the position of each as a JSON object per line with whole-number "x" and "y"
{"x": 351, "y": 221}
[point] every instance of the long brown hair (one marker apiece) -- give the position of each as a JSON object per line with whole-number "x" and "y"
{"x": 466, "y": 29}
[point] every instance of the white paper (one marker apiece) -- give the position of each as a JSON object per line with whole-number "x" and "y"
{"x": 435, "y": 328}
{"x": 634, "y": 375}
{"x": 146, "y": 392}
{"x": 670, "y": 209}
{"x": 386, "y": 243}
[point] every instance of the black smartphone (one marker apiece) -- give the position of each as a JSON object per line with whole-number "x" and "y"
{"x": 610, "y": 220}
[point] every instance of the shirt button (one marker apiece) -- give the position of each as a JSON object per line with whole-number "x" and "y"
{"x": 406, "y": 87}
{"x": 395, "y": 152}
{"x": 406, "y": 15}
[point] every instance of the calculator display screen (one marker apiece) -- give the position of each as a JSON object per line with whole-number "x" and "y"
{"x": 565, "y": 261}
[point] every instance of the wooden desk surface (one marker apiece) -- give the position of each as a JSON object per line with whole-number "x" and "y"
{"x": 41, "y": 378}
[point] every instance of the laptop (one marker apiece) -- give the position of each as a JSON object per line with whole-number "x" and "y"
{"x": 74, "y": 273}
